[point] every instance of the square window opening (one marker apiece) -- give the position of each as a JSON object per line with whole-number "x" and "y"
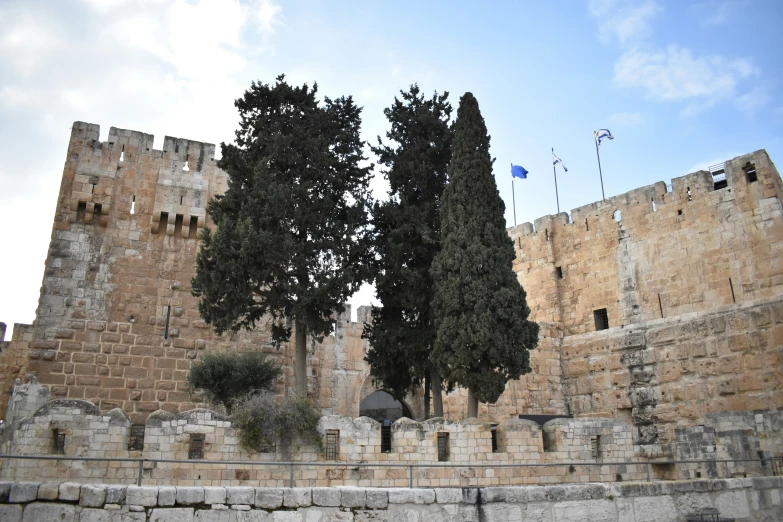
{"x": 601, "y": 319}
{"x": 136, "y": 439}
{"x": 443, "y": 446}
{"x": 750, "y": 173}
{"x": 332, "y": 447}
{"x": 719, "y": 180}
{"x": 196, "y": 449}
{"x": 679, "y": 212}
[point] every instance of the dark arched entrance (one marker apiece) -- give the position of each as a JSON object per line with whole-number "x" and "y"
{"x": 381, "y": 406}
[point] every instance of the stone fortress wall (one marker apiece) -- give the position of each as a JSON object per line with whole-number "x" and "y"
{"x": 690, "y": 280}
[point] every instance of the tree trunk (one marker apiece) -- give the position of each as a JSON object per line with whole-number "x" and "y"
{"x": 426, "y": 396}
{"x": 300, "y": 360}
{"x": 472, "y": 404}
{"x": 437, "y": 392}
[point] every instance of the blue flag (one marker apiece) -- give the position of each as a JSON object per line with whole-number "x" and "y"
{"x": 518, "y": 171}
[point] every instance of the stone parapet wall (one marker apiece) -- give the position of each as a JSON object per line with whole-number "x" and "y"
{"x": 738, "y": 499}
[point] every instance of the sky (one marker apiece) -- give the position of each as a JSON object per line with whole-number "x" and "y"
{"x": 681, "y": 86}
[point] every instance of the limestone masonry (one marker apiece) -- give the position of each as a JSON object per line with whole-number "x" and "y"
{"x": 661, "y": 311}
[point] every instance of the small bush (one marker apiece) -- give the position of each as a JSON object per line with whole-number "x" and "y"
{"x": 224, "y": 377}
{"x": 261, "y": 421}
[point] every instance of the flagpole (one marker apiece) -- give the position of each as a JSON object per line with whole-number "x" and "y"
{"x": 554, "y": 172}
{"x": 603, "y": 197}
{"x": 513, "y": 197}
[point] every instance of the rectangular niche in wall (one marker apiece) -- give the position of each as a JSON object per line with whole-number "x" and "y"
{"x": 601, "y": 319}
{"x": 443, "y": 446}
{"x": 494, "y": 432}
{"x": 58, "y": 441}
{"x": 595, "y": 446}
{"x": 386, "y": 441}
{"x": 136, "y": 438}
{"x": 332, "y": 446}
{"x": 196, "y": 449}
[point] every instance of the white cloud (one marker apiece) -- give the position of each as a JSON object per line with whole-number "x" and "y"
{"x": 753, "y": 101}
{"x": 268, "y": 15}
{"x": 705, "y": 165}
{"x": 675, "y": 74}
{"x": 625, "y": 20}
{"x": 28, "y": 39}
{"x": 626, "y": 119}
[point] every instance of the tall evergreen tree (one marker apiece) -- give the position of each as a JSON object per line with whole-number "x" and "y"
{"x": 291, "y": 236}
{"x": 482, "y": 332}
{"x": 407, "y": 228}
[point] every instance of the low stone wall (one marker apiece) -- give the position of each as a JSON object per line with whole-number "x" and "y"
{"x": 739, "y": 499}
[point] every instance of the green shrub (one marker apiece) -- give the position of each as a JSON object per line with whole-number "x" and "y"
{"x": 226, "y": 376}
{"x": 261, "y": 421}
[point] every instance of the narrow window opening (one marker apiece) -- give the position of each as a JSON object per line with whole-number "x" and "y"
{"x": 332, "y": 448}
{"x": 97, "y": 210}
{"x": 654, "y": 206}
{"x": 546, "y": 231}
{"x": 181, "y": 199}
{"x": 133, "y": 205}
{"x": 601, "y": 319}
{"x": 519, "y": 240}
{"x": 386, "y": 440}
{"x": 196, "y": 449}
{"x": 690, "y": 198}
{"x": 549, "y": 441}
{"x": 750, "y": 172}
{"x": 136, "y": 439}
{"x": 58, "y": 442}
{"x": 81, "y": 211}
{"x": 679, "y": 212}
{"x": 176, "y": 149}
{"x": 443, "y": 446}
{"x": 494, "y": 431}
{"x": 164, "y": 221}
{"x": 168, "y": 318}
{"x": 618, "y": 216}
{"x": 719, "y": 180}
{"x": 193, "y": 231}
{"x": 559, "y": 272}
{"x": 92, "y": 188}
{"x": 595, "y": 446}
{"x": 733, "y": 298}
{"x": 660, "y": 305}
{"x": 587, "y": 227}
{"x": 178, "y": 225}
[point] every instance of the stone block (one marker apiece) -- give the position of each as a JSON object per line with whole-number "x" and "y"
{"x": 586, "y": 510}
{"x": 655, "y": 509}
{"x": 5, "y": 490}
{"x": 733, "y": 504}
{"x": 39, "y": 511}
{"x": 187, "y": 496}
{"x": 70, "y": 491}
{"x": 502, "y": 511}
{"x": 269, "y": 498}
{"x": 214, "y": 495}
{"x": 327, "y": 497}
{"x": 172, "y": 515}
{"x": 115, "y": 494}
{"x": 297, "y": 497}
{"x": 504, "y": 494}
{"x": 48, "y": 491}
{"x": 448, "y": 495}
{"x": 95, "y": 515}
{"x": 212, "y": 515}
{"x": 254, "y": 516}
{"x": 353, "y": 497}
{"x": 167, "y": 496}
{"x": 92, "y": 495}
{"x": 401, "y": 496}
{"x": 424, "y": 496}
{"x": 23, "y": 492}
{"x": 146, "y": 496}
{"x": 377, "y": 498}
{"x": 239, "y": 495}
{"x": 11, "y": 513}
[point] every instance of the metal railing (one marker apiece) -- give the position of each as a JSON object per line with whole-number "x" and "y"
{"x": 770, "y": 466}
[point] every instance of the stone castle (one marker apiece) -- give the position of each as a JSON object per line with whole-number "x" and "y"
{"x": 661, "y": 310}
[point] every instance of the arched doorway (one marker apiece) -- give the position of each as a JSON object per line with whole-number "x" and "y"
{"x": 381, "y": 406}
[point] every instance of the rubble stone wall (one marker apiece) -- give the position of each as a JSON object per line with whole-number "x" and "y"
{"x": 735, "y": 499}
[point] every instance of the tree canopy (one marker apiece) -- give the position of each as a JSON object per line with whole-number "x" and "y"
{"x": 406, "y": 240}
{"x": 291, "y": 231}
{"x": 483, "y": 335}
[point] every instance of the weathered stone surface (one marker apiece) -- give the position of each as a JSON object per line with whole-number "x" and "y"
{"x": 23, "y": 492}
{"x": 329, "y": 497}
{"x": 654, "y": 509}
{"x": 424, "y": 496}
{"x": 448, "y": 495}
{"x": 586, "y": 511}
{"x": 240, "y": 495}
{"x": 38, "y": 512}
{"x": 11, "y": 513}
{"x": 48, "y": 491}
{"x": 287, "y": 516}
{"x": 172, "y": 515}
{"x": 214, "y": 495}
{"x": 115, "y": 494}
{"x": 211, "y": 515}
{"x": 92, "y": 495}
{"x": 502, "y": 511}
{"x": 377, "y": 498}
{"x": 252, "y": 516}
{"x": 297, "y": 497}
{"x": 167, "y": 496}
{"x": 95, "y": 515}
{"x": 269, "y": 498}
{"x": 70, "y": 491}
{"x": 401, "y": 496}
{"x": 733, "y": 504}
{"x": 188, "y": 496}
{"x": 5, "y": 490}
{"x": 141, "y": 496}
{"x": 504, "y": 494}
{"x": 353, "y": 497}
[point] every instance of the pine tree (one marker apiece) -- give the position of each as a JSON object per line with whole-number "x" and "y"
{"x": 482, "y": 332}
{"x": 407, "y": 227}
{"x": 291, "y": 232}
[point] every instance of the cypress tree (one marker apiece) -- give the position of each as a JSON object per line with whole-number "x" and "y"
{"x": 291, "y": 232}
{"x": 483, "y": 335}
{"x": 407, "y": 238}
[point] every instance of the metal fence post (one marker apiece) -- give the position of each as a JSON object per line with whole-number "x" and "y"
{"x": 647, "y": 467}
{"x": 291, "y": 477}
{"x": 141, "y": 471}
{"x": 410, "y": 477}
